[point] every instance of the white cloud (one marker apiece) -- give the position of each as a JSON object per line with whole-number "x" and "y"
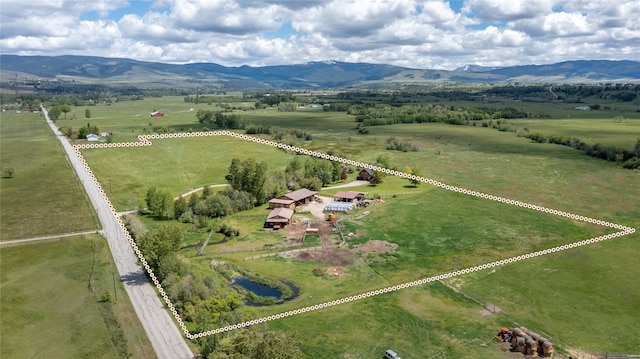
{"x": 153, "y": 27}
{"x": 506, "y": 10}
{"x": 351, "y": 18}
{"x": 412, "y": 33}
{"x": 224, "y": 16}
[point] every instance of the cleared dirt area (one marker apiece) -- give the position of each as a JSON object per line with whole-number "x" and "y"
{"x": 344, "y": 256}
{"x": 375, "y": 246}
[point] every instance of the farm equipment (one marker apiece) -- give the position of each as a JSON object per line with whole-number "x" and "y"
{"x": 503, "y": 336}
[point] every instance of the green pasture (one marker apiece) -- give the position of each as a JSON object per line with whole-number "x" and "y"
{"x": 502, "y": 164}
{"x": 173, "y": 164}
{"x": 622, "y": 134}
{"x": 128, "y": 119}
{"x": 423, "y": 322}
{"x": 586, "y": 298}
{"x": 436, "y": 231}
{"x": 43, "y": 197}
{"x": 48, "y": 309}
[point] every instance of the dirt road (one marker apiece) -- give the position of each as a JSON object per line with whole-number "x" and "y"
{"x": 167, "y": 341}
{"x": 14, "y": 242}
{"x": 355, "y": 183}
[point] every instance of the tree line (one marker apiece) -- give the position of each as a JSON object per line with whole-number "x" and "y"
{"x": 627, "y": 158}
{"x": 208, "y": 302}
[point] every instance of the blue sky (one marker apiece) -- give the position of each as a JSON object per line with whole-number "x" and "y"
{"x": 412, "y": 33}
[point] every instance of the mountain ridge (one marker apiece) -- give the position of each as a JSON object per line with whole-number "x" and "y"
{"x": 314, "y": 74}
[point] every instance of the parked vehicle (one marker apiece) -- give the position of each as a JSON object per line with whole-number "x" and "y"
{"x": 390, "y": 354}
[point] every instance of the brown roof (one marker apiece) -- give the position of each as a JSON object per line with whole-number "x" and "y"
{"x": 280, "y": 215}
{"x": 281, "y": 201}
{"x": 348, "y": 194}
{"x": 299, "y": 194}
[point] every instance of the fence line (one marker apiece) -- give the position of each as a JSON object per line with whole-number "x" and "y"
{"x": 305, "y": 249}
{"x": 264, "y": 248}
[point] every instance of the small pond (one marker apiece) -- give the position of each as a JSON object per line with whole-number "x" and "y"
{"x": 259, "y": 289}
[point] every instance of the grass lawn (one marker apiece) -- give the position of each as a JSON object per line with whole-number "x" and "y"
{"x": 43, "y": 197}
{"x": 48, "y": 309}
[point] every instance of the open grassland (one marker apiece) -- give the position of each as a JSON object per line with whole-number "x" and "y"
{"x": 584, "y": 298}
{"x": 48, "y": 308}
{"x": 436, "y": 231}
{"x": 128, "y": 119}
{"x": 425, "y": 322}
{"x": 592, "y": 131}
{"x": 43, "y": 197}
{"x": 174, "y": 165}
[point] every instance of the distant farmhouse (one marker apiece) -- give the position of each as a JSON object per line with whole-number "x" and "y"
{"x": 93, "y": 137}
{"x": 293, "y": 199}
{"x": 583, "y": 108}
{"x": 157, "y": 114}
{"x": 366, "y": 174}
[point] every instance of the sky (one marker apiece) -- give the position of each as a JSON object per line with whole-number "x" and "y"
{"x": 427, "y": 34}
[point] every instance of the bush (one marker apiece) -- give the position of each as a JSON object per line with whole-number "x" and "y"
{"x": 632, "y": 163}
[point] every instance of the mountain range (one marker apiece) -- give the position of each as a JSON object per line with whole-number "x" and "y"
{"x": 321, "y": 74}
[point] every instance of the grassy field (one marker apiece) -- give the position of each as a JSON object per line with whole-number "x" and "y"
{"x": 436, "y": 231}
{"x": 49, "y": 310}
{"x": 43, "y": 197}
{"x": 577, "y": 298}
{"x": 174, "y": 165}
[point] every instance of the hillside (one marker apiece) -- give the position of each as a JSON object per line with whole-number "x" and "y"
{"x": 326, "y": 74}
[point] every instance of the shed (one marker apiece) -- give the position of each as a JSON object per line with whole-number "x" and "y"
{"x": 293, "y": 199}
{"x": 282, "y": 203}
{"x": 279, "y": 217}
{"x": 157, "y": 114}
{"x": 349, "y": 196}
{"x": 92, "y": 137}
{"x": 339, "y": 206}
{"x": 365, "y": 174}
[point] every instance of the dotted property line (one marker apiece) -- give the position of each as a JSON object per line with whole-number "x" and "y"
{"x": 145, "y": 140}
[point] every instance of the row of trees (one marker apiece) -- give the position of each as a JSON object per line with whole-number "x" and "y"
{"x": 384, "y": 114}
{"x": 628, "y": 159}
{"x": 222, "y": 120}
{"x": 205, "y": 300}
{"x": 81, "y": 133}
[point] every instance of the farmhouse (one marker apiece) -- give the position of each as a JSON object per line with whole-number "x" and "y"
{"x": 349, "y": 196}
{"x": 293, "y": 199}
{"x": 278, "y": 218}
{"x": 157, "y": 114}
{"x": 366, "y": 174}
{"x": 583, "y": 108}
{"x": 92, "y": 137}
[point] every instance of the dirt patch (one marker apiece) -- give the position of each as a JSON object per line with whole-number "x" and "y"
{"x": 294, "y": 231}
{"x": 375, "y": 246}
{"x": 316, "y": 208}
{"x": 341, "y": 257}
{"x": 335, "y": 257}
